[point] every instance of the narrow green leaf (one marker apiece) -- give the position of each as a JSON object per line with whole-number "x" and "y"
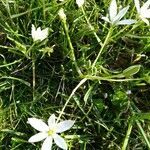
{"x": 141, "y": 116}
{"x": 131, "y": 70}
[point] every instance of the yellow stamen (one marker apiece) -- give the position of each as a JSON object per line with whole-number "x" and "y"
{"x": 51, "y": 132}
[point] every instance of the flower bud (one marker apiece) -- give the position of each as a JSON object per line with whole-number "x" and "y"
{"x": 80, "y": 3}
{"x": 62, "y": 14}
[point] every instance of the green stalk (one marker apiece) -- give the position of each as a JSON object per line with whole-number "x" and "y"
{"x": 133, "y": 107}
{"x": 125, "y": 28}
{"x": 143, "y": 133}
{"x": 33, "y": 76}
{"x": 43, "y": 9}
{"x": 103, "y": 46}
{"x": 71, "y": 47}
{"x": 109, "y": 79}
{"x": 74, "y": 90}
{"x": 126, "y": 140}
{"x": 91, "y": 27}
{"x": 30, "y": 51}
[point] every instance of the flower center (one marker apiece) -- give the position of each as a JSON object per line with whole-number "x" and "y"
{"x": 51, "y": 132}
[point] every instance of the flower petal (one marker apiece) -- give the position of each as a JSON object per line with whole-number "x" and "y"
{"x": 121, "y": 13}
{"x": 37, "y": 137}
{"x": 145, "y": 13}
{"x": 47, "y": 144}
{"x": 39, "y": 30}
{"x": 127, "y": 21}
{"x": 113, "y": 9}
{"x": 106, "y": 19}
{"x": 137, "y": 5}
{"x": 64, "y": 125}
{"x": 45, "y": 33}
{"x": 33, "y": 32}
{"x": 38, "y": 124}
{"x": 145, "y": 20}
{"x": 51, "y": 121}
{"x": 60, "y": 141}
{"x": 146, "y": 5}
{"x": 33, "y": 29}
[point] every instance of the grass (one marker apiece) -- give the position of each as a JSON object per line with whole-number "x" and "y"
{"x": 84, "y": 78}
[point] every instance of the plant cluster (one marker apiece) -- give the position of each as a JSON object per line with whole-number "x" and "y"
{"x": 80, "y": 61}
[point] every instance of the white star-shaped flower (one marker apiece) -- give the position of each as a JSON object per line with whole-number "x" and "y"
{"x": 115, "y": 18}
{"x": 144, "y": 11}
{"x": 38, "y": 34}
{"x": 50, "y": 132}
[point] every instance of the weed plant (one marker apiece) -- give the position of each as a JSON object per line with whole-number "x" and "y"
{"x": 87, "y": 70}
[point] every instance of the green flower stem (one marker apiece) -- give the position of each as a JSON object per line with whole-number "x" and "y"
{"x": 119, "y": 33}
{"x": 44, "y": 16}
{"x": 103, "y": 46}
{"x": 143, "y": 133}
{"x": 91, "y": 27}
{"x": 71, "y": 47}
{"x": 134, "y": 108}
{"x": 33, "y": 75}
{"x": 74, "y": 90}
{"x": 125, "y": 28}
{"x": 109, "y": 79}
{"x": 126, "y": 140}
{"x": 30, "y": 50}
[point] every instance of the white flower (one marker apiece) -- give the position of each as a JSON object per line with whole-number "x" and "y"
{"x": 61, "y": 14}
{"x": 128, "y": 92}
{"x": 38, "y": 34}
{"x": 144, "y": 11}
{"x": 50, "y": 132}
{"x": 80, "y": 3}
{"x": 115, "y": 18}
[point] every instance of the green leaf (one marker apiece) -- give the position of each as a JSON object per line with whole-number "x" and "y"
{"x": 131, "y": 70}
{"x": 19, "y": 46}
{"x": 18, "y": 140}
{"x": 12, "y": 132}
{"x": 142, "y": 116}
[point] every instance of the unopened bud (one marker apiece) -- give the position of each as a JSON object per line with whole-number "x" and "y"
{"x": 62, "y": 14}
{"x": 80, "y": 3}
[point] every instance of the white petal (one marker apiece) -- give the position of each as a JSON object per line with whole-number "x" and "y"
{"x": 145, "y": 13}
{"x": 44, "y": 34}
{"x": 128, "y": 22}
{"x": 38, "y": 29}
{"x": 47, "y": 144}
{"x": 113, "y": 9}
{"x": 121, "y": 13}
{"x": 106, "y": 19}
{"x": 33, "y": 29}
{"x": 137, "y": 5}
{"x": 37, "y": 137}
{"x": 64, "y": 125}
{"x": 33, "y": 32}
{"x": 51, "y": 121}
{"x": 145, "y": 20}
{"x": 38, "y": 124}
{"x": 60, "y": 141}
{"x": 146, "y": 5}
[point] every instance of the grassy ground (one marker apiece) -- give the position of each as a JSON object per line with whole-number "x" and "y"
{"x": 108, "y": 98}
